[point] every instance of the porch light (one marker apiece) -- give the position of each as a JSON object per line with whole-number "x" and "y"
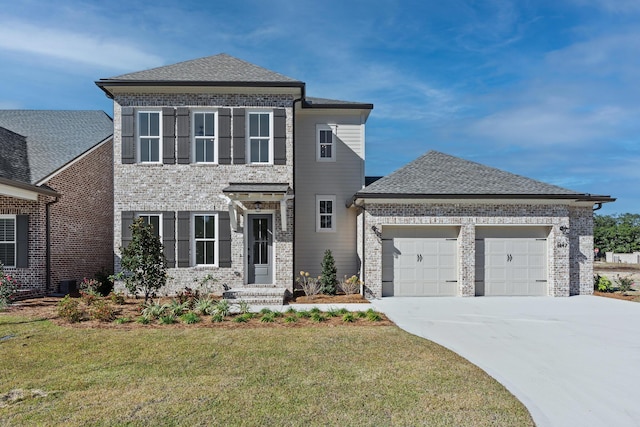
{"x": 258, "y": 206}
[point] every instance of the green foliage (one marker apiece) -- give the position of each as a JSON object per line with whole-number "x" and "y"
{"x": 303, "y": 314}
{"x": 154, "y": 310}
{"x": 318, "y": 317}
{"x": 105, "y": 282}
{"x": 188, "y": 296}
{"x": 190, "y": 318}
{"x": 217, "y": 317}
{"x": 348, "y": 318}
{"x": 116, "y": 298}
{"x": 328, "y": 277}
{"x": 602, "y": 284}
{"x": 265, "y": 310}
{"x": 269, "y": 317}
{"x": 122, "y": 320}
{"x": 168, "y": 319}
{"x": 333, "y": 312}
{"x": 144, "y": 261}
{"x": 102, "y": 310}
{"x": 624, "y": 283}
{"x": 177, "y": 308}
{"x": 361, "y": 314}
{"x": 204, "y": 305}
{"x": 291, "y": 310}
{"x": 69, "y": 309}
{"x": 8, "y": 286}
{"x": 223, "y": 307}
{"x": 244, "y": 307}
{"x": 617, "y": 233}
{"x": 143, "y": 320}
{"x": 290, "y": 319}
{"x": 373, "y": 316}
{"x": 314, "y": 310}
{"x": 243, "y": 318}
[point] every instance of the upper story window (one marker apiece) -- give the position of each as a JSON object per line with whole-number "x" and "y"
{"x": 260, "y": 137}
{"x": 8, "y": 240}
{"x": 204, "y": 239}
{"x": 325, "y": 213}
{"x": 155, "y": 221}
{"x": 149, "y": 136}
{"x": 204, "y": 136}
{"x": 325, "y": 145}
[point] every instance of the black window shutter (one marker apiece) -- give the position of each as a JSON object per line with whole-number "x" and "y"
{"x": 127, "y": 220}
{"x": 168, "y": 135}
{"x": 279, "y": 137}
{"x": 224, "y": 239}
{"x": 169, "y": 237}
{"x": 183, "y": 238}
{"x": 22, "y": 241}
{"x": 239, "y": 142}
{"x": 128, "y": 135}
{"x": 224, "y": 136}
{"x": 184, "y": 141}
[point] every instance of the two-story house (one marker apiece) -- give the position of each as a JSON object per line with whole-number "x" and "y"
{"x": 204, "y": 151}
{"x": 248, "y": 180}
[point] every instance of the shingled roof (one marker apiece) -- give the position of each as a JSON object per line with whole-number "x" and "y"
{"x": 53, "y": 139}
{"x": 440, "y": 175}
{"x": 217, "y": 68}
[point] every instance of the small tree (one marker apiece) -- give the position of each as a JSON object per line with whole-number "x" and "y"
{"x": 328, "y": 278}
{"x": 144, "y": 261}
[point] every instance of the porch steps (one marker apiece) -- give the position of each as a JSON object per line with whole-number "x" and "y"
{"x": 256, "y": 295}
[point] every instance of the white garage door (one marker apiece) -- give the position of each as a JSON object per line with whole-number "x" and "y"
{"x": 419, "y": 266}
{"x": 511, "y": 266}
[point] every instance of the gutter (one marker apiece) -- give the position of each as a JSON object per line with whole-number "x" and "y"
{"x": 576, "y": 197}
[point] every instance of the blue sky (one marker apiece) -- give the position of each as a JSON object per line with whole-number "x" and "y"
{"x": 545, "y": 89}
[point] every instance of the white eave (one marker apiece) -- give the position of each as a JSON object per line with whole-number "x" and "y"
{"x": 24, "y": 191}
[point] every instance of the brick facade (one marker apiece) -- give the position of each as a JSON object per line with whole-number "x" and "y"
{"x": 569, "y": 263}
{"x": 82, "y": 219}
{"x": 198, "y": 187}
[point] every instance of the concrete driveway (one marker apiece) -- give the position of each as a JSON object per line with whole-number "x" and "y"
{"x": 572, "y": 361}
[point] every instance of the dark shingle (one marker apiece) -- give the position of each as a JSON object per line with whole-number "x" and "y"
{"x": 14, "y": 161}
{"x": 54, "y": 138}
{"x": 216, "y": 68}
{"x": 440, "y": 174}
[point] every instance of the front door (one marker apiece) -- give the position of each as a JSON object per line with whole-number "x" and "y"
{"x": 259, "y": 252}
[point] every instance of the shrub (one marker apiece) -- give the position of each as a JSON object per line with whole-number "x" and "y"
{"x": 333, "y": 312}
{"x": 361, "y": 314}
{"x": 190, "y": 318}
{"x": 373, "y": 316}
{"x": 351, "y": 285}
{"x": 89, "y": 297}
{"x": 318, "y": 317}
{"x": 603, "y": 284}
{"x": 290, "y": 319}
{"x": 167, "y": 319}
{"x": 143, "y": 320}
{"x": 8, "y": 286}
{"x": 188, "y": 297}
{"x": 154, "y": 310}
{"x": 122, "y": 320}
{"x": 116, "y": 298}
{"x": 265, "y": 310}
{"x": 243, "y": 318}
{"x": 105, "y": 282}
{"x": 217, "y": 317}
{"x": 310, "y": 285}
{"x": 89, "y": 286}
{"x": 624, "y": 283}
{"x": 204, "y": 305}
{"x": 269, "y": 317}
{"x": 144, "y": 261}
{"x": 291, "y": 310}
{"x": 69, "y": 309}
{"x": 102, "y": 310}
{"x": 244, "y": 307}
{"x": 223, "y": 307}
{"x": 328, "y": 276}
{"x": 314, "y": 310}
{"x": 177, "y": 308}
{"x": 303, "y": 314}
{"x": 348, "y": 318}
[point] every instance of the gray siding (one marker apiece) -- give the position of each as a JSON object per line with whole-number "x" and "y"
{"x": 342, "y": 178}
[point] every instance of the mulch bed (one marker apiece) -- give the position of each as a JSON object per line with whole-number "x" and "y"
{"x": 635, "y": 298}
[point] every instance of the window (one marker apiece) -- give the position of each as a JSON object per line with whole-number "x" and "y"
{"x": 155, "y": 221}
{"x": 260, "y": 142}
{"x": 204, "y": 239}
{"x": 204, "y": 135}
{"x": 325, "y": 145}
{"x": 8, "y": 240}
{"x": 149, "y": 136}
{"x": 325, "y": 208}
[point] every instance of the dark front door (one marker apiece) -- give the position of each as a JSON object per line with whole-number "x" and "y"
{"x": 259, "y": 253}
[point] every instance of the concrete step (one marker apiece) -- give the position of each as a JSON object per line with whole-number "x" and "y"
{"x": 256, "y": 295}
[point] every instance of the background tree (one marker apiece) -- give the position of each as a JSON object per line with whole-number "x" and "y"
{"x": 144, "y": 261}
{"x": 617, "y": 233}
{"x": 328, "y": 277}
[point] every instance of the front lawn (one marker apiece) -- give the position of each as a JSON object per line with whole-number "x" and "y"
{"x": 339, "y": 375}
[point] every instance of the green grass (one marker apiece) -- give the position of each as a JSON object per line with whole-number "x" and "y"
{"x": 167, "y": 376}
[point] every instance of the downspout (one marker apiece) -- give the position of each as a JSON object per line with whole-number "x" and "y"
{"x": 293, "y": 161}
{"x": 48, "y": 242}
{"x": 597, "y": 207}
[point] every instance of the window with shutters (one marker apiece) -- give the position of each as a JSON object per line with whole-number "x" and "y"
{"x": 204, "y": 136}
{"x": 149, "y": 136}
{"x": 205, "y": 232}
{"x": 325, "y": 147}
{"x": 155, "y": 221}
{"x": 260, "y": 141}
{"x": 325, "y": 213}
{"x": 8, "y": 240}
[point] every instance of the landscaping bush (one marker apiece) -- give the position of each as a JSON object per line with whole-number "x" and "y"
{"x": 351, "y": 285}
{"x": 310, "y": 285}
{"x": 328, "y": 277}
{"x": 167, "y": 319}
{"x": 188, "y": 297}
{"x": 105, "y": 282}
{"x": 154, "y": 310}
{"x": 8, "y": 286}
{"x": 116, "y": 298}
{"x": 223, "y": 307}
{"x": 102, "y": 310}
{"x": 190, "y": 318}
{"x": 624, "y": 283}
{"x": 603, "y": 284}
{"x": 204, "y": 305}
{"x": 177, "y": 308}
{"x": 69, "y": 309}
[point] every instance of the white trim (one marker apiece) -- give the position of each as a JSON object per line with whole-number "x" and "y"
{"x": 18, "y": 193}
{"x": 326, "y": 198}
{"x": 15, "y": 238}
{"x": 147, "y": 214}
{"x": 137, "y": 135}
{"x": 216, "y": 239}
{"x": 246, "y": 242}
{"x": 248, "y": 135}
{"x": 215, "y": 135}
{"x": 334, "y": 130}
{"x": 73, "y": 161}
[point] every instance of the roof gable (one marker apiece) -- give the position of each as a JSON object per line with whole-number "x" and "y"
{"x": 54, "y": 138}
{"x": 438, "y": 174}
{"x": 216, "y": 68}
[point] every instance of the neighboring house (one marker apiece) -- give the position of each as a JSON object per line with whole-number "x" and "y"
{"x": 442, "y": 225}
{"x": 56, "y": 196}
{"x": 248, "y": 181}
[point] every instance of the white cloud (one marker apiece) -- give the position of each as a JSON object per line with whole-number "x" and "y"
{"x": 77, "y": 47}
